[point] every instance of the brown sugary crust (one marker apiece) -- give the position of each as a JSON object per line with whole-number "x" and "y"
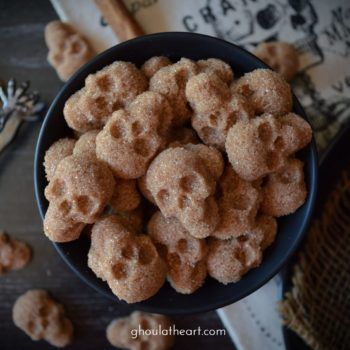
{"x": 262, "y": 145}
{"x": 59, "y": 228}
{"x": 266, "y": 91}
{"x": 185, "y": 255}
{"x": 131, "y": 138}
{"x": 125, "y": 196}
{"x": 217, "y": 67}
{"x": 86, "y": 144}
{"x": 113, "y": 87}
{"x": 154, "y": 64}
{"x": 215, "y": 108}
{"x": 81, "y": 188}
{"x": 284, "y": 191}
{"x": 59, "y": 150}
{"x": 171, "y": 82}
{"x": 183, "y": 187}
{"x": 41, "y": 317}
{"x": 119, "y": 332}
{"x": 68, "y": 50}
{"x": 238, "y": 201}
{"x": 228, "y": 260}
{"x": 14, "y": 254}
{"x": 127, "y": 261}
{"x": 280, "y": 56}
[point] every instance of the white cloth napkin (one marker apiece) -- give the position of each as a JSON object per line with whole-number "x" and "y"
{"x": 319, "y": 29}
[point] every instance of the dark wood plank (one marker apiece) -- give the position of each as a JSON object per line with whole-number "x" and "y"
{"x": 23, "y": 56}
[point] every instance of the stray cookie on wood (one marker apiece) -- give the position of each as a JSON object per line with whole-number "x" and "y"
{"x": 68, "y": 50}
{"x": 41, "y": 317}
{"x": 14, "y": 254}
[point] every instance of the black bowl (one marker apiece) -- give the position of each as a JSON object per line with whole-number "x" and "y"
{"x": 212, "y": 295}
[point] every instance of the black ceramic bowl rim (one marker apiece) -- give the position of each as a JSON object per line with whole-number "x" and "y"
{"x": 256, "y": 277}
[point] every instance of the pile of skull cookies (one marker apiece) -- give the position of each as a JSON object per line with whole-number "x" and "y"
{"x": 177, "y": 171}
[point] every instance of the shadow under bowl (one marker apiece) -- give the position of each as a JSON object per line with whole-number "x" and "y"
{"x": 211, "y": 295}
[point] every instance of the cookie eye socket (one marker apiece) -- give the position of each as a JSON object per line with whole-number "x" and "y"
{"x": 85, "y": 204}
{"x": 182, "y": 246}
{"x": 146, "y": 254}
{"x": 119, "y": 271}
{"x": 265, "y": 132}
{"x": 58, "y": 188}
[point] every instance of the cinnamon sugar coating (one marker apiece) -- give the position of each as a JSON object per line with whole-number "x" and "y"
{"x": 284, "y": 191}
{"x": 41, "y": 317}
{"x": 119, "y": 332}
{"x": 86, "y": 144}
{"x": 215, "y": 107}
{"x": 228, "y": 260}
{"x": 262, "y": 145}
{"x": 125, "y": 196}
{"x": 127, "y": 261}
{"x": 171, "y": 82}
{"x": 217, "y": 67}
{"x": 280, "y": 56}
{"x": 59, "y": 228}
{"x": 154, "y": 64}
{"x": 81, "y": 188}
{"x": 266, "y": 91}
{"x": 105, "y": 91}
{"x": 14, "y": 254}
{"x": 68, "y": 50}
{"x": 185, "y": 255}
{"x": 132, "y": 137}
{"x": 57, "y": 151}
{"x": 183, "y": 187}
{"x": 238, "y": 202}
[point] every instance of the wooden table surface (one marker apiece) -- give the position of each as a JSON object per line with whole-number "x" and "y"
{"x": 23, "y": 56}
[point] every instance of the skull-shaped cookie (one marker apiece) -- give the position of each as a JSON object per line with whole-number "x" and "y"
{"x": 14, "y": 254}
{"x": 184, "y": 254}
{"x": 68, "y": 50}
{"x": 57, "y": 151}
{"x": 129, "y": 262}
{"x": 254, "y": 147}
{"x": 266, "y": 91}
{"x": 262, "y": 145}
{"x": 228, "y": 260}
{"x": 265, "y": 230}
{"x": 122, "y": 332}
{"x": 183, "y": 187}
{"x": 215, "y": 108}
{"x": 238, "y": 203}
{"x": 296, "y": 133}
{"x": 154, "y": 64}
{"x": 284, "y": 191}
{"x": 217, "y": 67}
{"x": 171, "y": 82}
{"x": 81, "y": 188}
{"x": 60, "y": 228}
{"x": 106, "y": 91}
{"x": 40, "y": 317}
{"x": 132, "y": 137}
{"x": 280, "y": 56}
